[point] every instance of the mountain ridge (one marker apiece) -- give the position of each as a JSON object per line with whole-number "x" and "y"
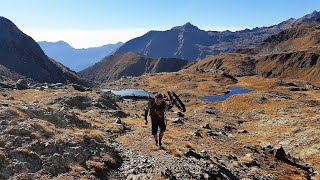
{"x": 190, "y": 43}
{"x": 293, "y": 53}
{"x": 115, "y": 66}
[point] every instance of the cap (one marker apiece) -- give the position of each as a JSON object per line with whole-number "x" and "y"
{"x": 159, "y": 96}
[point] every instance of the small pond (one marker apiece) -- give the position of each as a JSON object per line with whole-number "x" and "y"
{"x": 234, "y": 90}
{"x": 129, "y": 92}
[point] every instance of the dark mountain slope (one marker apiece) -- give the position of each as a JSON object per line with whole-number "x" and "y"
{"x": 130, "y": 64}
{"x": 294, "y": 53}
{"x": 23, "y": 56}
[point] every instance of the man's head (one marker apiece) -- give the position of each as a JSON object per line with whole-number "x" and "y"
{"x": 159, "y": 99}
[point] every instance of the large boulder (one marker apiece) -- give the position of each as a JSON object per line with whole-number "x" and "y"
{"x": 22, "y": 84}
{"x": 78, "y": 101}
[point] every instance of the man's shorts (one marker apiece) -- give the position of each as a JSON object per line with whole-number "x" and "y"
{"x": 157, "y": 122}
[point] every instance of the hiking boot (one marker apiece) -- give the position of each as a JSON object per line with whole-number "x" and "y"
{"x": 156, "y": 142}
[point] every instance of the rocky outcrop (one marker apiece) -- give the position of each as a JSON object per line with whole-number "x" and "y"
{"x": 35, "y": 141}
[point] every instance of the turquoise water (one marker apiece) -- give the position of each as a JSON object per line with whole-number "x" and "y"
{"x": 234, "y": 90}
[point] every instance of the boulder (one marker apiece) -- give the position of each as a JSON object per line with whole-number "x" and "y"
{"x": 280, "y": 154}
{"x": 22, "y": 129}
{"x": 22, "y": 84}
{"x": 197, "y": 133}
{"x": 298, "y": 89}
{"x": 118, "y": 121}
{"x": 56, "y": 164}
{"x": 178, "y": 121}
{"x": 6, "y": 85}
{"x": 79, "y": 87}
{"x": 191, "y": 153}
{"x": 206, "y": 126}
{"x": 78, "y": 101}
{"x": 30, "y": 161}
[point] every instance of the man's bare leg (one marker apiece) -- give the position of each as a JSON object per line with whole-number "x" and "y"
{"x": 160, "y": 137}
{"x": 156, "y": 138}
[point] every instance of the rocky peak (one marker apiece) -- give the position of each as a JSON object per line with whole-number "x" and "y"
{"x": 187, "y": 27}
{"x": 308, "y": 18}
{"x": 7, "y": 28}
{"x": 314, "y": 14}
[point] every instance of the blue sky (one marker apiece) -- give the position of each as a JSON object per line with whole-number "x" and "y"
{"x": 87, "y": 23}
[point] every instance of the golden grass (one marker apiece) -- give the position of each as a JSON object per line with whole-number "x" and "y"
{"x": 2, "y": 155}
{"x": 235, "y": 164}
{"x": 174, "y": 151}
{"x": 44, "y": 127}
{"x": 13, "y": 111}
{"x": 75, "y": 167}
{"x": 95, "y": 164}
{"x": 246, "y": 159}
{"x": 107, "y": 156}
{"x": 178, "y": 138}
{"x": 190, "y": 145}
{"x": 96, "y": 134}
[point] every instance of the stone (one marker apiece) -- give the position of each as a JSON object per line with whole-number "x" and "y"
{"x": 228, "y": 128}
{"x": 56, "y": 164}
{"x": 32, "y": 161}
{"x": 298, "y": 89}
{"x": 79, "y": 87}
{"x": 197, "y": 133}
{"x": 167, "y": 174}
{"x": 22, "y": 84}
{"x": 280, "y": 154}
{"x": 6, "y": 85}
{"x": 78, "y": 101}
{"x": 4, "y": 104}
{"x": 206, "y": 126}
{"x": 117, "y": 113}
{"x": 11, "y": 98}
{"x": 118, "y": 121}
{"x": 209, "y": 112}
{"x": 191, "y": 153}
{"x": 22, "y": 129}
{"x": 242, "y": 131}
{"x": 178, "y": 121}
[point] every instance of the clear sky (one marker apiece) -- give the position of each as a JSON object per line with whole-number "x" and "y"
{"x": 90, "y": 23}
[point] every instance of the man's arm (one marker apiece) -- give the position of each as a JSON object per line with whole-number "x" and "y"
{"x": 146, "y": 111}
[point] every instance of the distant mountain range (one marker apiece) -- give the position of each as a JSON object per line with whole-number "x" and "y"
{"x": 287, "y": 50}
{"x": 115, "y": 66}
{"x": 293, "y": 53}
{"x": 191, "y": 43}
{"x": 21, "y": 56}
{"x": 77, "y": 59}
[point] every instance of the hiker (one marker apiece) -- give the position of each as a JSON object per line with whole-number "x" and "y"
{"x": 157, "y": 108}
